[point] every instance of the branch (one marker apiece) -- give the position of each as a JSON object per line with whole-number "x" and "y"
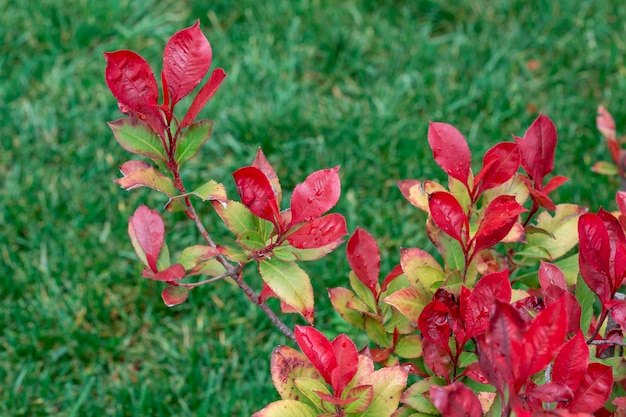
{"x": 234, "y": 271}
{"x": 608, "y": 342}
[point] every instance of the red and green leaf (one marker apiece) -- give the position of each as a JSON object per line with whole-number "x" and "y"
{"x": 147, "y": 231}
{"x": 173, "y": 296}
{"x": 290, "y": 283}
{"x": 141, "y": 174}
{"x": 139, "y": 138}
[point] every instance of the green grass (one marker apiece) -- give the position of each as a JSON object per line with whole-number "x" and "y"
{"x": 315, "y": 84}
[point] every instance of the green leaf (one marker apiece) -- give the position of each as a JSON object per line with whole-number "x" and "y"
{"x": 605, "y": 168}
{"x": 290, "y": 283}
{"x": 376, "y": 332}
{"x": 194, "y": 137}
{"x": 563, "y": 226}
{"x": 136, "y": 137}
{"x": 164, "y": 261}
{"x": 285, "y": 253}
{"x": 414, "y": 395}
{"x": 193, "y": 255}
{"x": 585, "y": 298}
{"x": 409, "y": 347}
{"x": 286, "y": 408}
{"x": 308, "y": 386}
{"x": 570, "y": 268}
{"x": 251, "y": 240}
{"x": 362, "y": 292}
{"x": 236, "y": 216}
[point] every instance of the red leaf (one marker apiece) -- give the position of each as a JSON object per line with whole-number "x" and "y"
{"x": 605, "y": 123}
{"x": 433, "y": 323}
{"x": 395, "y": 273}
{"x": 537, "y": 149}
{"x": 544, "y": 336}
{"x": 318, "y": 193}
{"x": 594, "y": 253}
{"x": 186, "y": 60}
{"x": 618, "y": 312}
{"x": 174, "y": 272}
{"x": 147, "y": 227}
{"x": 438, "y": 360}
{"x": 473, "y": 372}
{"x": 498, "y": 220}
{"x": 261, "y": 162}
{"x": 347, "y": 359}
{"x": 319, "y": 232}
{"x": 318, "y": 349}
{"x": 594, "y": 389}
{"x": 540, "y": 197}
{"x": 620, "y": 198}
{"x": 205, "y": 94}
{"x": 501, "y": 348}
{"x": 256, "y": 193}
{"x": 554, "y": 183}
{"x": 173, "y": 296}
{"x": 475, "y": 310}
{"x": 449, "y": 216}
{"x": 456, "y": 400}
{"x": 131, "y": 80}
{"x": 450, "y": 150}
{"x": 550, "y": 274}
{"x": 364, "y": 258}
{"x": 550, "y": 392}
{"x": 500, "y": 164}
{"x": 571, "y": 362}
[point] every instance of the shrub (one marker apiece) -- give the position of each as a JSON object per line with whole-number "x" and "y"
{"x": 509, "y": 320}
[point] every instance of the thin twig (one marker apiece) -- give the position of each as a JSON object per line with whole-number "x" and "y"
{"x": 191, "y": 285}
{"x": 608, "y": 342}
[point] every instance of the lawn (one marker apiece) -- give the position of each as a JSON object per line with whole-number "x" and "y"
{"x": 316, "y": 84}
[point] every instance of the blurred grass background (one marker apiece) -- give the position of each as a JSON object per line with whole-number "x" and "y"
{"x": 314, "y": 83}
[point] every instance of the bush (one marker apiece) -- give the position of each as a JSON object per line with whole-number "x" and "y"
{"x": 509, "y": 320}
